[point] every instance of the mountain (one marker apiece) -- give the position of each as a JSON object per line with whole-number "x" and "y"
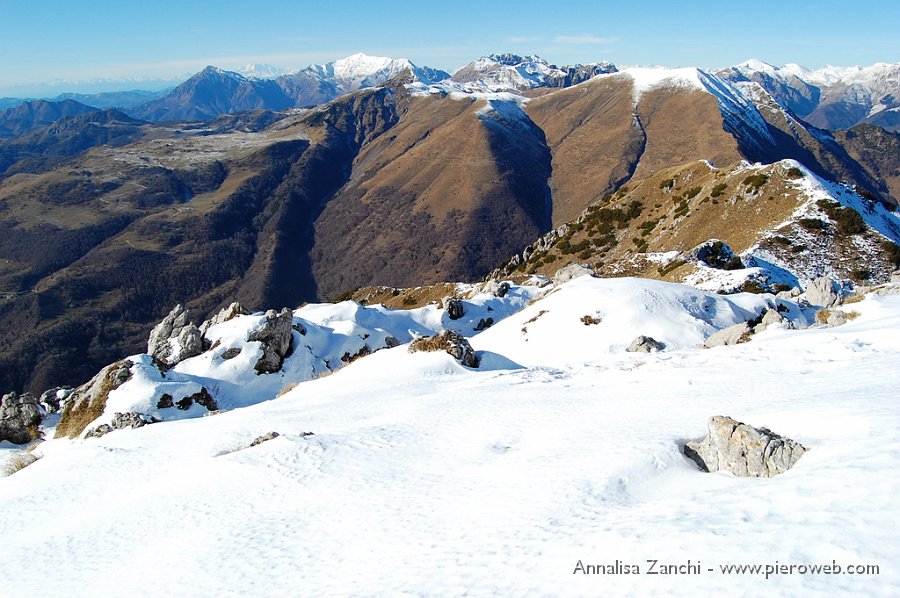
{"x": 404, "y": 184}
{"x": 214, "y": 92}
{"x": 831, "y": 97}
{"x": 37, "y": 113}
{"x": 121, "y": 100}
{"x": 42, "y": 148}
{"x": 511, "y": 71}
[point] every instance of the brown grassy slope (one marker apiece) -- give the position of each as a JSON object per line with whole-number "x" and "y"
{"x": 445, "y": 196}
{"x": 599, "y": 139}
{"x": 593, "y": 138}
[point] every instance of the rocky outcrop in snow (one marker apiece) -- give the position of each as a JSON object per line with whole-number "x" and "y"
{"x": 121, "y": 421}
{"x": 175, "y": 338}
{"x": 225, "y": 314}
{"x": 275, "y": 335}
{"x": 87, "y": 402}
{"x": 823, "y": 292}
{"x": 20, "y": 417}
{"x": 715, "y": 254}
{"x": 733, "y": 335}
{"x": 571, "y": 272}
{"x": 645, "y": 344}
{"x": 743, "y": 450}
{"x": 452, "y": 342}
{"x": 454, "y": 307}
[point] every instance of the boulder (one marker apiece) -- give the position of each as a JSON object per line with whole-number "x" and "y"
{"x": 20, "y": 416}
{"x": 175, "y": 338}
{"x": 739, "y": 333}
{"x": 484, "y": 323}
{"x": 121, "y": 421}
{"x": 769, "y": 318}
{"x": 50, "y": 400}
{"x": 495, "y": 288}
{"x": 645, "y": 344}
{"x": 265, "y": 438}
{"x": 276, "y": 336}
{"x": 743, "y": 450}
{"x": 823, "y": 292}
{"x": 225, "y": 314}
{"x": 454, "y": 307}
{"x": 87, "y": 402}
{"x": 835, "y": 318}
{"x": 571, "y": 272}
{"x": 452, "y": 342}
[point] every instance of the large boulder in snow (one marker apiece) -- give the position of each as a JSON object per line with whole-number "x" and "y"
{"x": 571, "y": 272}
{"x": 645, "y": 344}
{"x": 738, "y": 333}
{"x": 121, "y": 421}
{"x": 715, "y": 254}
{"x": 454, "y": 307}
{"x": 452, "y": 342}
{"x": 823, "y": 292}
{"x": 743, "y": 450}
{"x": 175, "y": 338}
{"x": 20, "y": 417}
{"x": 276, "y": 336}
{"x": 225, "y": 314}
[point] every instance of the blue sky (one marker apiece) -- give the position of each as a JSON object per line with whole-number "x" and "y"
{"x": 96, "y": 39}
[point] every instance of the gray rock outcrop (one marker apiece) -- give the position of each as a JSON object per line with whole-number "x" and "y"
{"x": 645, "y": 344}
{"x": 225, "y": 314}
{"x": 571, "y": 272}
{"x": 175, "y": 338}
{"x": 20, "y": 416}
{"x": 770, "y": 318}
{"x": 743, "y": 450}
{"x": 276, "y": 336}
{"x": 452, "y": 342}
{"x": 87, "y": 402}
{"x": 739, "y": 333}
{"x": 121, "y": 421}
{"x": 454, "y": 307}
{"x": 823, "y": 292}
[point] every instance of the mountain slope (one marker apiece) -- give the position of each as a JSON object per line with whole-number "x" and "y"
{"x": 37, "y": 113}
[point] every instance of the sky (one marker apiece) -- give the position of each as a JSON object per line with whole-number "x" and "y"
{"x": 100, "y": 39}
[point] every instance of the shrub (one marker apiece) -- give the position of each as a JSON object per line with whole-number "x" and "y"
{"x": 752, "y": 285}
{"x": 848, "y": 220}
{"x": 692, "y": 192}
{"x": 793, "y": 173}
{"x": 811, "y": 224}
{"x": 588, "y": 320}
{"x": 860, "y": 275}
{"x": 674, "y": 264}
{"x": 18, "y": 462}
{"x": 667, "y": 184}
{"x": 756, "y": 180}
{"x": 718, "y": 189}
{"x": 893, "y": 252}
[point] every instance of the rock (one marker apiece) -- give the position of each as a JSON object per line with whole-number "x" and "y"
{"x": 231, "y": 353}
{"x": 645, "y": 344}
{"x": 122, "y": 421}
{"x": 452, "y": 342}
{"x": 225, "y": 314}
{"x": 454, "y": 307}
{"x": 835, "y": 318}
{"x": 895, "y": 276}
{"x": 50, "y": 400}
{"x": 390, "y": 342}
{"x": 495, "y": 288}
{"x": 201, "y": 397}
{"x": 768, "y": 319}
{"x": 175, "y": 338}
{"x": 739, "y": 333}
{"x": 743, "y": 450}
{"x": 265, "y": 437}
{"x": 484, "y": 323}
{"x": 823, "y": 292}
{"x": 715, "y": 254}
{"x": 571, "y": 272}
{"x": 276, "y": 336}
{"x": 87, "y": 402}
{"x": 20, "y": 416}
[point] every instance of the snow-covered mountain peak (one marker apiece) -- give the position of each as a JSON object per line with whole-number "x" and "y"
{"x": 756, "y": 65}
{"x": 261, "y": 71}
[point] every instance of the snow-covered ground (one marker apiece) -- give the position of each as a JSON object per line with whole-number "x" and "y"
{"x": 423, "y": 477}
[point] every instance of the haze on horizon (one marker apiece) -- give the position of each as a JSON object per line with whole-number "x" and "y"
{"x": 100, "y": 40}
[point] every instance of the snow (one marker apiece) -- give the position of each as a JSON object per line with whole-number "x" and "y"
{"x": 647, "y": 78}
{"x": 427, "y": 478}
